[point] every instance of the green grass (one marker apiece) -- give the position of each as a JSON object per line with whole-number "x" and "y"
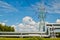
{"x": 51, "y": 38}
{"x": 29, "y": 38}
{"x": 15, "y": 38}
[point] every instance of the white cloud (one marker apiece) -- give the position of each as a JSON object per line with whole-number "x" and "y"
{"x": 27, "y": 20}
{"x": 28, "y": 25}
{"x": 32, "y": 23}
{"x": 21, "y": 25}
{"x": 15, "y": 27}
{"x": 58, "y": 21}
{"x": 3, "y": 24}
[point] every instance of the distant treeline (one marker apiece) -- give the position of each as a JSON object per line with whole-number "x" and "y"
{"x": 5, "y": 28}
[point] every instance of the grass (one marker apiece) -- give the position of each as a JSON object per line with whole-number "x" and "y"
{"x": 15, "y": 38}
{"x": 29, "y": 38}
{"x": 51, "y": 38}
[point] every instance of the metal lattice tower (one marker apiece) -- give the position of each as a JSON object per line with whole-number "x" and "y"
{"x": 42, "y": 18}
{"x": 41, "y": 11}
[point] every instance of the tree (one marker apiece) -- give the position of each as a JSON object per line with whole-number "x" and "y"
{"x": 6, "y": 28}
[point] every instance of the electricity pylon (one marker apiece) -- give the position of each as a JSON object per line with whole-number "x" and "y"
{"x": 42, "y": 17}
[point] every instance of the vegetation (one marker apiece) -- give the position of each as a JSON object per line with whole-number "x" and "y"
{"x": 5, "y": 28}
{"x": 58, "y": 34}
{"x": 29, "y": 39}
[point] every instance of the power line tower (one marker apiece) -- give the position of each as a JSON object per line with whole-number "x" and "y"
{"x": 41, "y": 10}
{"x": 42, "y": 18}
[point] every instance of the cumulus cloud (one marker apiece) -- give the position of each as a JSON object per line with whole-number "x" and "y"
{"x": 28, "y": 20}
{"x": 15, "y": 27}
{"x": 21, "y": 25}
{"x": 58, "y": 21}
{"x": 2, "y": 23}
{"x": 28, "y": 25}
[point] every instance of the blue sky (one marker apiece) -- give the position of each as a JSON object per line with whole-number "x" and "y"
{"x": 13, "y": 11}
